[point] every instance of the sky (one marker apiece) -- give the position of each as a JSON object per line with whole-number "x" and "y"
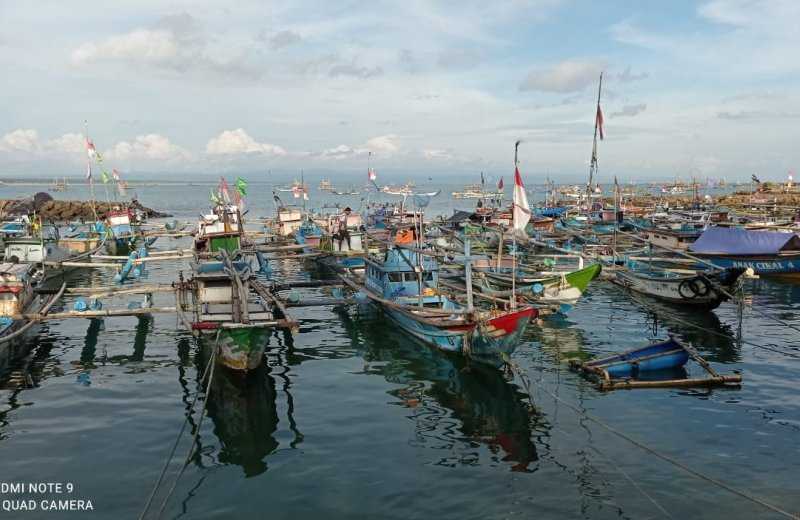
{"x": 445, "y": 88}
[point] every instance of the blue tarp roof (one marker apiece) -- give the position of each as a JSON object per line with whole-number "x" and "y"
{"x": 735, "y": 241}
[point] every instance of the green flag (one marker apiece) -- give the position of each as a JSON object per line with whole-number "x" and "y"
{"x": 241, "y": 186}
{"x": 214, "y": 197}
{"x": 105, "y": 177}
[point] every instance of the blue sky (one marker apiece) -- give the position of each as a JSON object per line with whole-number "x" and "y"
{"x": 691, "y": 88}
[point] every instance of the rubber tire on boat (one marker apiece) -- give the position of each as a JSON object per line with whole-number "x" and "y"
{"x": 692, "y": 289}
{"x": 706, "y": 287}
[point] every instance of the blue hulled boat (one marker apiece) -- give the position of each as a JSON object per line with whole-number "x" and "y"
{"x": 765, "y": 252}
{"x": 405, "y": 284}
{"x": 665, "y": 355}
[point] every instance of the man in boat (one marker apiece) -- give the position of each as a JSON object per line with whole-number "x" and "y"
{"x": 341, "y": 232}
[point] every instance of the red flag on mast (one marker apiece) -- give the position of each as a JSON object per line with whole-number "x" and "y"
{"x": 500, "y": 184}
{"x": 599, "y": 121}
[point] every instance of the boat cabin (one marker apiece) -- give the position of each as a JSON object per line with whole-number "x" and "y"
{"x": 217, "y": 298}
{"x": 16, "y": 288}
{"x": 34, "y": 248}
{"x": 397, "y": 277}
{"x": 219, "y": 230}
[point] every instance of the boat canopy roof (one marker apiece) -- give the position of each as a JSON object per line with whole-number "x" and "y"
{"x": 735, "y": 241}
{"x": 402, "y": 260}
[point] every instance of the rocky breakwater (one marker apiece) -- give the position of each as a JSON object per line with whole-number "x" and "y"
{"x": 66, "y": 210}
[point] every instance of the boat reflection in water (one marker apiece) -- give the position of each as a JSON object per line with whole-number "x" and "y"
{"x": 438, "y": 387}
{"x": 242, "y": 407}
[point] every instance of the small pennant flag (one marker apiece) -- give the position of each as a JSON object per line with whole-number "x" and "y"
{"x": 241, "y": 186}
{"x": 91, "y": 151}
{"x": 500, "y": 184}
{"x": 599, "y": 122}
{"x": 105, "y": 177}
{"x": 371, "y": 174}
{"x": 755, "y": 179}
{"x": 223, "y": 190}
{"x": 88, "y": 171}
{"x": 115, "y": 174}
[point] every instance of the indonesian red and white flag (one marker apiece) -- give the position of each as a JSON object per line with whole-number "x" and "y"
{"x": 88, "y": 171}
{"x": 115, "y": 174}
{"x": 371, "y": 175}
{"x": 599, "y": 122}
{"x": 521, "y": 212}
{"x": 500, "y": 185}
{"x": 223, "y": 190}
{"x": 91, "y": 151}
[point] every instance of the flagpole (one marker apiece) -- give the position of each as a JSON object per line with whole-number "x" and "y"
{"x": 89, "y": 169}
{"x": 513, "y": 235}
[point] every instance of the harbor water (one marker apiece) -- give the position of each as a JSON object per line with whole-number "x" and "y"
{"x": 350, "y": 418}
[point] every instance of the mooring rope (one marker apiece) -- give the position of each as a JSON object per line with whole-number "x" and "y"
{"x": 515, "y": 369}
{"x": 209, "y": 366}
{"x": 720, "y": 334}
{"x": 743, "y": 494}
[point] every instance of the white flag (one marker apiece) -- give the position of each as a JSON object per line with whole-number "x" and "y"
{"x": 521, "y": 212}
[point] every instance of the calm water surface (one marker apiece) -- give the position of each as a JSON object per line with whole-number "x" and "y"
{"x": 351, "y": 419}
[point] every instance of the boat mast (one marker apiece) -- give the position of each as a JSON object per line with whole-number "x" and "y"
{"x": 513, "y": 234}
{"x": 593, "y": 162}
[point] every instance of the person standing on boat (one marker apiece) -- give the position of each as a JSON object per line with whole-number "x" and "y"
{"x": 341, "y": 232}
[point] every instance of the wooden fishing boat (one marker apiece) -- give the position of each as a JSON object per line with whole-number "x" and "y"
{"x": 659, "y": 365}
{"x": 223, "y": 303}
{"x": 17, "y": 297}
{"x": 405, "y": 284}
{"x": 220, "y": 230}
{"x": 121, "y": 234}
{"x": 665, "y": 355}
{"x": 705, "y": 289}
{"x": 767, "y": 253}
{"x": 561, "y": 289}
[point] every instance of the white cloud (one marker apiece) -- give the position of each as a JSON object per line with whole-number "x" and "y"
{"x": 437, "y": 154}
{"x": 566, "y": 76}
{"x": 20, "y": 140}
{"x": 233, "y": 142}
{"x": 341, "y": 152}
{"x": 68, "y": 144}
{"x": 154, "y": 147}
{"x": 384, "y": 144}
{"x": 142, "y": 45}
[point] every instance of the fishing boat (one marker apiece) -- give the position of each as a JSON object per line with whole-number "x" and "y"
{"x": 223, "y": 303}
{"x": 665, "y": 355}
{"x": 705, "y": 289}
{"x": 562, "y": 289}
{"x": 220, "y": 230}
{"x": 17, "y": 296}
{"x": 325, "y": 185}
{"x": 342, "y": 240}
{"x": 308, "y": 234}
{"x": 120, "y": 227}
{"x": 405, "y": 284}
{"x": 290, "y": 218}
{"x": 767, "y": 253}
{"x": 659, "y": 365}
{"x": 59, "y": 185}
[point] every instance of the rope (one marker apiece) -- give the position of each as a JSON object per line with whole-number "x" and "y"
{"x": 515, "y": 369}
{"x": 670, "y": 460}
{"x": 721, "y": 335}
{"x": 180, "y": 434}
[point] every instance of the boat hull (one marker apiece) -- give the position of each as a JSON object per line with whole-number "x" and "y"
{"x": 695, "y": 291}
{"x": 761, "y": 265}
{"x": 490, "y": 341}
{"x": 238, "y": 349}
